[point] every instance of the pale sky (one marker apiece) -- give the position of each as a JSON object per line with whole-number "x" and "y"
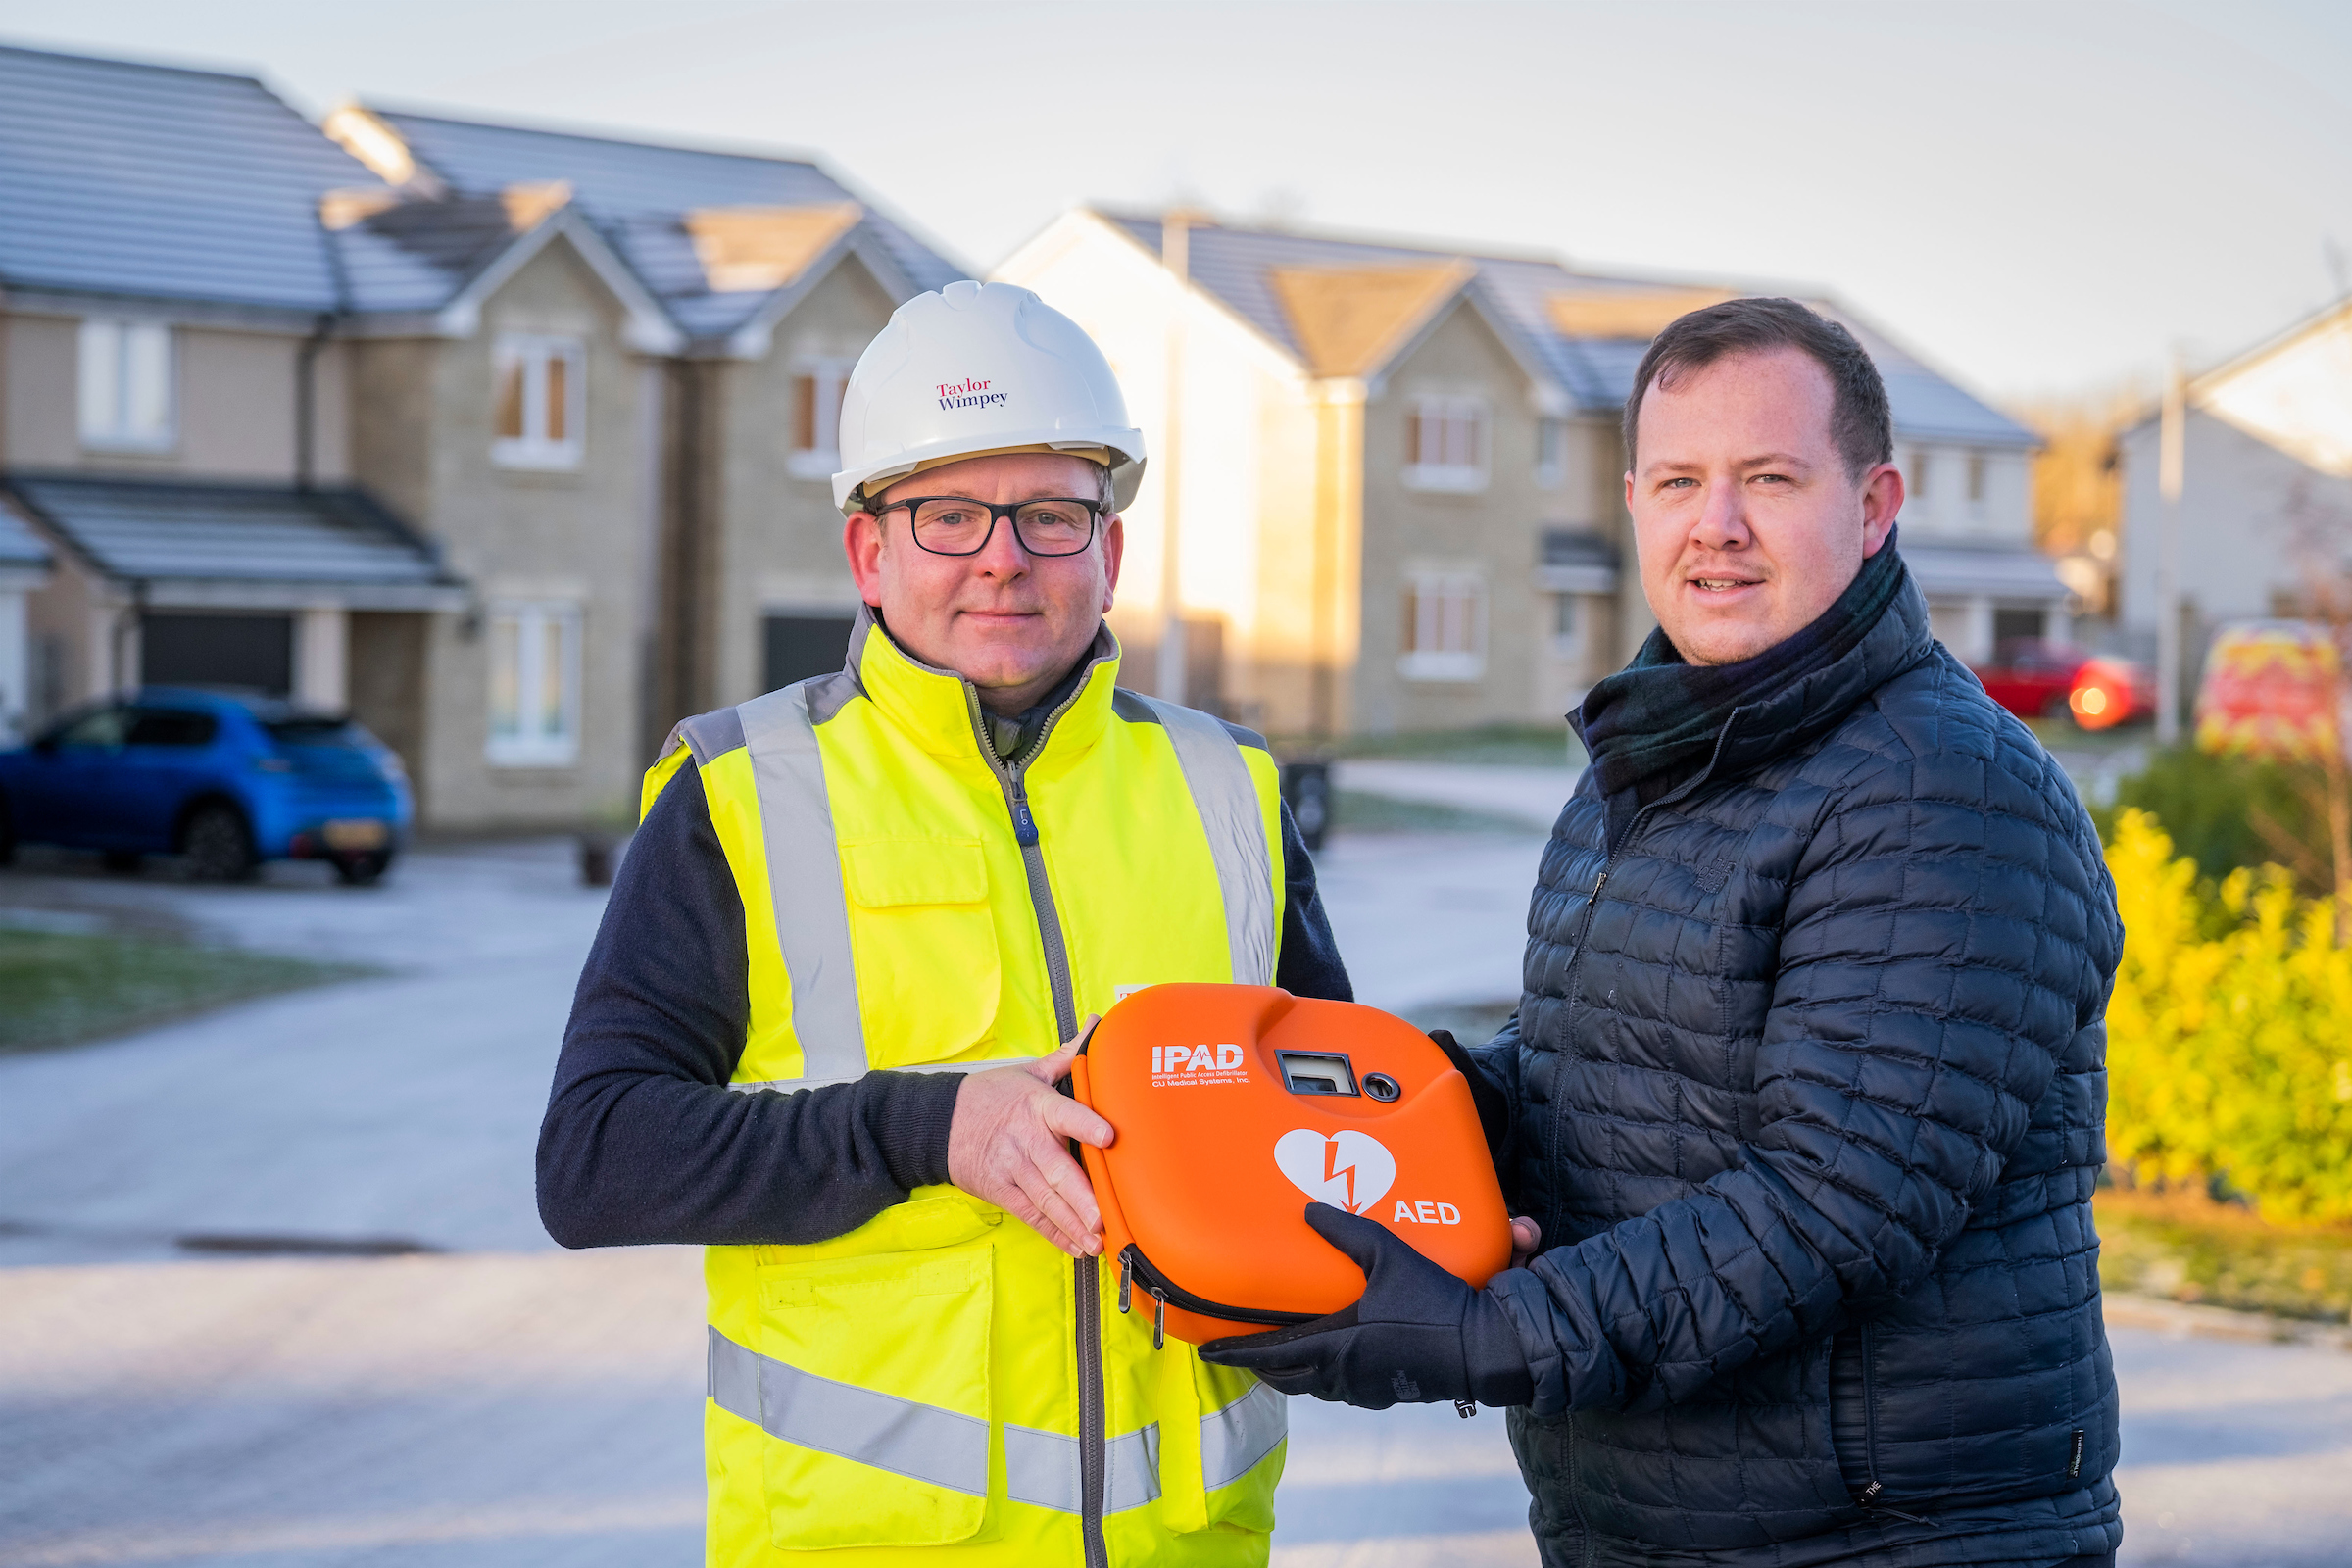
{"x": 2038, "y": 197}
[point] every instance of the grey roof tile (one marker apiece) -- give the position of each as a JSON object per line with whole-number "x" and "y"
{"x": 638, "y": 194}
{"x": 157, "y": 182}
{"x": 160, "y": 530}
{"x": 1597, "y": 374}
{"x": 20, "y": 546}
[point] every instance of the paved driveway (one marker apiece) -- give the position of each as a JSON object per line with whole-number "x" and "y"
{"x": 401, "y": 1107}
{"x": 504, "y": 1403}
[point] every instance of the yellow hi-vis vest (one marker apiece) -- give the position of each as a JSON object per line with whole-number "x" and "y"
{"x": 942, "y": 1379}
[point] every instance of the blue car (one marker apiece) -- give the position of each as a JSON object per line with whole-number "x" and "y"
{"x": 227, "y": 782}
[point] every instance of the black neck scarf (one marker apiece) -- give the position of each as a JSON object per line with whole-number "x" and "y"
{"x": 1655, "y": 723}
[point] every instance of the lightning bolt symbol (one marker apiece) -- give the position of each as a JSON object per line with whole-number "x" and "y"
{"x": 1333, "y": 1170}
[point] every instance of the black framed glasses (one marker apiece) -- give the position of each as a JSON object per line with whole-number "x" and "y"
{"x": 959, "y": 525}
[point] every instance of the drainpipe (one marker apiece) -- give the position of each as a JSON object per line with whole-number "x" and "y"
{"x": 306, "y": 389}
{"x": 123, "y": 679}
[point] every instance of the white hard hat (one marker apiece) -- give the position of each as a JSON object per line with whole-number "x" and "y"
{"x": 980, "y": 368}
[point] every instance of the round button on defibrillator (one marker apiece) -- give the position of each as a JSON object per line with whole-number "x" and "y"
{"x": 1379, "y": 1086}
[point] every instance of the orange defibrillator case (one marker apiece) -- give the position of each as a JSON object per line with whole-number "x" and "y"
{"x": 1233, "y": 1105}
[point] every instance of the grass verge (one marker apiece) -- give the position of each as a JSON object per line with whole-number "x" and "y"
{"x": 1535, "y": 744}
{"x": 62, "y": 990}
{"x": 1361, "y": 811}
{"x": 2183, "y": 1246}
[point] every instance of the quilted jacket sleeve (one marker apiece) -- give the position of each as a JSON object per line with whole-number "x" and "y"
{"x": 1951, "y": 928}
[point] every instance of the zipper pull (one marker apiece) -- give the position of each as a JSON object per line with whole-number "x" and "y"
{"x": 1159, "y": 1317}
{"x": 1024, "y": 826}
{"x": 1465, "y": 1408}
{"x": 1126, "y": 1281}
{"x": 1868, "y": 1497}
{"x": 1600, "y": 882}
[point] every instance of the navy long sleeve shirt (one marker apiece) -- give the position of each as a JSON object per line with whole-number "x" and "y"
{"x": 644, "y": 1143}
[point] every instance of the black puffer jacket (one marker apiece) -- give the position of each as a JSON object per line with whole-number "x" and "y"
{"x": 1808, "y": 1098}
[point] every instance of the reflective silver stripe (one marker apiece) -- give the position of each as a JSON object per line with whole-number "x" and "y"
{"x": 1235, "y": 1439}
{"x": 901, "y": 1436}
{"x": 1226, "y": 797}
{"x": 1042, "y": 1468}
{"x": 804, "y": 875}
{"x": 788, "y": 1085}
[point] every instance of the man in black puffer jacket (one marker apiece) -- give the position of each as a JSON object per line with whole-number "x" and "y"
{"x": 1806, "y": 1089}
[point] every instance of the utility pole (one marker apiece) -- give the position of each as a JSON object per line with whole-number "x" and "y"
{"x": 1175, "y": 254}
{"x": 2171, "y": 434}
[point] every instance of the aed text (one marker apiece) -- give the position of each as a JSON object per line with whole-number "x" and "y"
{"x": 1426, "y": 1213}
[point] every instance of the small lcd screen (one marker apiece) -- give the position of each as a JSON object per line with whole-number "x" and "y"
{"x": 1314, "y": 1073}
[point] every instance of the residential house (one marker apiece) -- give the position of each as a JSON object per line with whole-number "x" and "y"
{"x": 25, "y": 565}
{"x": 1396, "y": 480}
{"x": 173, "y": 418}
{"x": 487, "y": 434}
{"x": 776, "y": 277}
{"x": 2266, "y": 495}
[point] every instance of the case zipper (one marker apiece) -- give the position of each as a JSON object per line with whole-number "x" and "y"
{"x": 1134, "y": 1265}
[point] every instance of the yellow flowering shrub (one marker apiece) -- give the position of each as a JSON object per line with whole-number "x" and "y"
{"x": 2230, "y": 1034}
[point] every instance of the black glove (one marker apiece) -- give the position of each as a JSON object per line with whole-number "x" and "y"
{"x": 1493, "y": 1106}
{"x": 1417, "y": 1334}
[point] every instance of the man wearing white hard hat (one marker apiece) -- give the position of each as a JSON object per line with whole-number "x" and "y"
{"x": 861, "y": 929}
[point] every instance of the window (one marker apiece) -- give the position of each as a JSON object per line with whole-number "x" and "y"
{"x": 172, "y": 726}
{"x": 1567, "y": 626}
{"x": 1445, "y": 444}
{"x": 534, "y": 685}
{"x": 100, "y": 727}
{"x": 1552, "y": 453}
{"x": 1917, "y": 479}
{"x": 1445, "y": 630}
{"x": 542, "y": 402}
{"x": 817, "y": 417}
{"x": 126, "y": 398}
{"x": 1976, "y": 479}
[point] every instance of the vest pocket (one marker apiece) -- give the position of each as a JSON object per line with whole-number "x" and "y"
{"x": 873, "y": 1391}
{"x": 924, "y": 938}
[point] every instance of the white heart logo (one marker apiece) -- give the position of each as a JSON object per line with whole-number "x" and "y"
{"x": 1346, "y": 1169}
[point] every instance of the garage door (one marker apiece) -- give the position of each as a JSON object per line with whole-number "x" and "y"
{"x": 251, "y": 653}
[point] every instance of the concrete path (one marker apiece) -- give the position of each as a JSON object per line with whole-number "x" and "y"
{"x": 1427, "y": 919}
{"x": 1530, "y": 794}
{"x": 495, "y": 1410}
{"x": 405, "y": 1107}
{"x": 505, "y": 1403}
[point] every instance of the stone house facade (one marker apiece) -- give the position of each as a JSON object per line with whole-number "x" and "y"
{"x": 505, "y": 441}
{"x": 1397, "y": 476}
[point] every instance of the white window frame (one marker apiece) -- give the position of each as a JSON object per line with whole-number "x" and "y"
{"x": 119, "y": 361}
{"x": 1446, "y": 638}
{"x": 1551, "y": 468}
{"x": 822, "y": 459}
{"x": 535, "y": 448}
{"x": 532, "y": 742}
{"x": 1460, "y": 467}
{"x": 1570, "y": 643}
